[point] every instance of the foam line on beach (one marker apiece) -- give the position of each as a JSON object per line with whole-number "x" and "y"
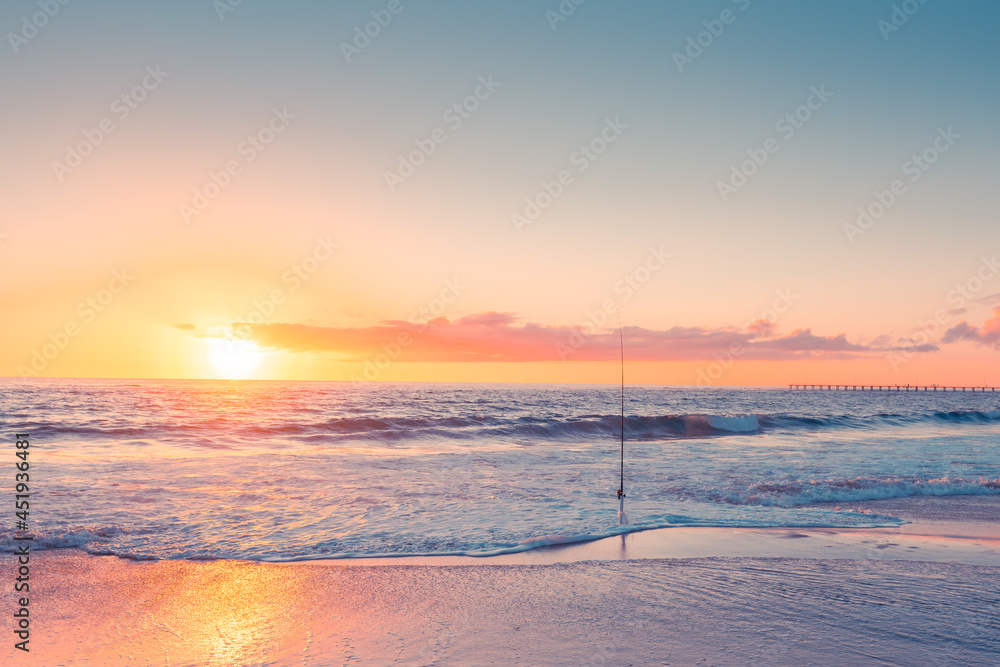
{"x": 544, "y": 541}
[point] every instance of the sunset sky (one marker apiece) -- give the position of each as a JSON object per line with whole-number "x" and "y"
{"x": 768, "y": 193}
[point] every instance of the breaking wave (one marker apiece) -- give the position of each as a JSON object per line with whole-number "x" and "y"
{"x": 792, "y": 493}
{"x": 583, "y": 427}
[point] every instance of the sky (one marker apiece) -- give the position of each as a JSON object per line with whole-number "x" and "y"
{"x": 396, "y": 190}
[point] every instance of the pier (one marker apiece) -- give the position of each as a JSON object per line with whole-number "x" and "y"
{"x": 889, "y": 387}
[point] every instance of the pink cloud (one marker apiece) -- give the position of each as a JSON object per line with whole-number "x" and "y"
{"x": 494, "y": 336}
{"x": 988, "y": 335}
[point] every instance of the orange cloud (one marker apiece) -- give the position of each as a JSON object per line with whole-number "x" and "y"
{"x": 497, "y": 337}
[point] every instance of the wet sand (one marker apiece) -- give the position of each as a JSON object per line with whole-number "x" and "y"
{"x": 913, "y": 595}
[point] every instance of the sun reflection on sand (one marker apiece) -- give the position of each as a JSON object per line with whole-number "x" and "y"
{"x": 225, "y": 613}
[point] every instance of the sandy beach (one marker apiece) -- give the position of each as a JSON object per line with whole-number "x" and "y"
{"x": 680, "y": 596}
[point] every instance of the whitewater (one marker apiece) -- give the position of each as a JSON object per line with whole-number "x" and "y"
{"x": 284, "y": 471}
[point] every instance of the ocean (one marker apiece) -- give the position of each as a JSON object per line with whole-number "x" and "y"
{"x": 285, "y": 471}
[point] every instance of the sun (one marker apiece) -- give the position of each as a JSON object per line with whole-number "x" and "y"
{"x": 234, "y": 359}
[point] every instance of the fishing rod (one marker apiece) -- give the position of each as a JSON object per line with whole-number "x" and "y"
{"x": 621, "y": 479}
{"x": 622, "y": 517}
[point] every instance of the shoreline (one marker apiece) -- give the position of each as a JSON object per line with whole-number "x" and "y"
{"x": 962, "y": 529}
{"x": 934, "y": 531}
{"x": 89, "y": 610}
{"x": 715, "y": 542}
{"x": 670, "y": 596}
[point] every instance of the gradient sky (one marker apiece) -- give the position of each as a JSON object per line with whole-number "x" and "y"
{"x": 428, "y": 276}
